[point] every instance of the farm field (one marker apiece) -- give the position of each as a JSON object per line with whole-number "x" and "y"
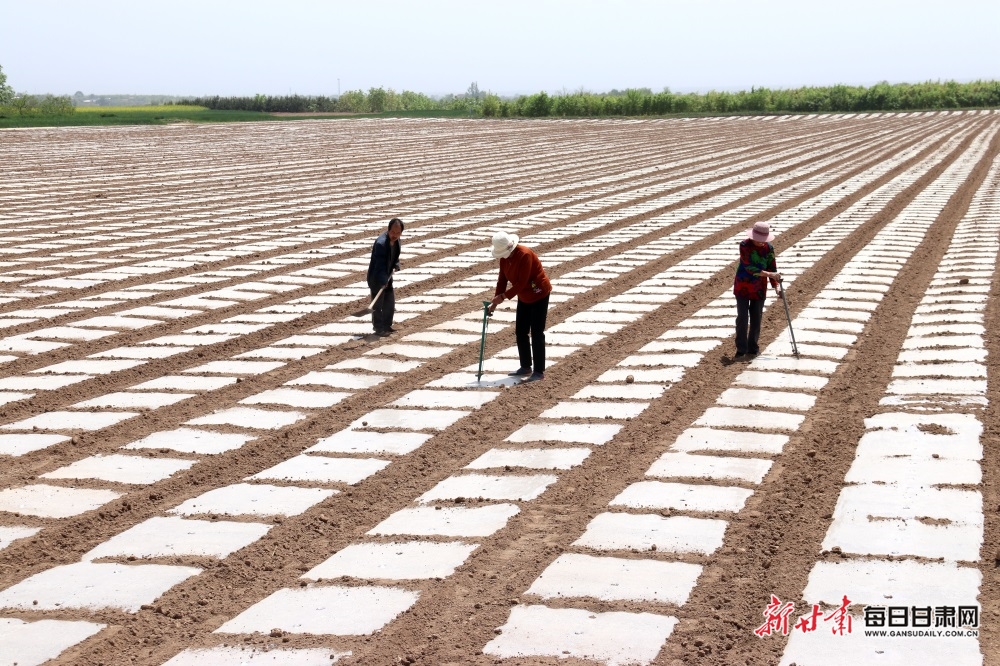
{"x": 206, "y": 459}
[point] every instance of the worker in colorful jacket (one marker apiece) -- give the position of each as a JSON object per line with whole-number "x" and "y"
{"x": 756, "y": 268}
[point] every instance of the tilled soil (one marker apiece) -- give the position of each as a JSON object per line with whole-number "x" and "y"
{"x": 209, "y": 201}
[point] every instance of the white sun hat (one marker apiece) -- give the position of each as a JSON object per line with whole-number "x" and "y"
{"x": 503, "y": 244}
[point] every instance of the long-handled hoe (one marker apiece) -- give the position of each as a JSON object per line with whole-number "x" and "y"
{"x": 482, "y": 340}
{"x": 368, "y": 310}
{"x": 784, "y": 299}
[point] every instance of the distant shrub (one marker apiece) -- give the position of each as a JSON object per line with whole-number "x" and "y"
{"x": 32, "y": 105}
{"x": 377, "y": 99}
{"x": 536, "y": 106}
{"x": 490, "y": 106}
{"x": 56, "y": 106}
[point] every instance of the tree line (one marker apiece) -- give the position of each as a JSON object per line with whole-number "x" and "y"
{"x": 930, "y": 95}
{"x": 376, "y": 100}
{"x": 840, "y": 98}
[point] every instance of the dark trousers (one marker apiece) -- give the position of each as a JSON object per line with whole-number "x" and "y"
{"x": 384, "y": 308}
{"x": 746, "y": 336}
{"x": 531, "y": 321}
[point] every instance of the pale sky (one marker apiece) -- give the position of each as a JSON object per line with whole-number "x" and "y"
{"x": 244, "y": 47}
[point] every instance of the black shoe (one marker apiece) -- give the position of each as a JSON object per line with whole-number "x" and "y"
{"x": 520, "y": 372}
{"x": 383, "y": 334}
{"x": 535, "y": 377}
{"x": 739, "y": 354}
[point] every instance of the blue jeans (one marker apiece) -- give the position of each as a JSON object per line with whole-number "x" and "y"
{"x": 746, "y": 336}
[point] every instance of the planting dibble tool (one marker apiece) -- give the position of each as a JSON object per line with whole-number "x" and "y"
{"x": 482, "y": 340}
{"x": 788, "y": 316}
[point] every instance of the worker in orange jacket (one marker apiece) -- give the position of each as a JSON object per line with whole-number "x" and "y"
{"x": 522, "y": 275}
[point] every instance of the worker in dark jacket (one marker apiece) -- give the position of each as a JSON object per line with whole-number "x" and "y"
{"x": 522, "y": 276}
{"x": 384, "y": 261}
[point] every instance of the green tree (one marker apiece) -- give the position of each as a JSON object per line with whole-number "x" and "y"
{"x": 537, "y": 106}
{"x": 841, "y": 99}
{"x": 56, "y": 106}
{"x": 352, "y": 101}
{"x": 6, "y": 92}
{"x": 491, "y": 105}
{"x": 633, "y": 101}
{"x": 411, "y": 101}
{"x": 393, "y": 101}
{"x": 759, "y": 99}
{"x": 377, "y": 98}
